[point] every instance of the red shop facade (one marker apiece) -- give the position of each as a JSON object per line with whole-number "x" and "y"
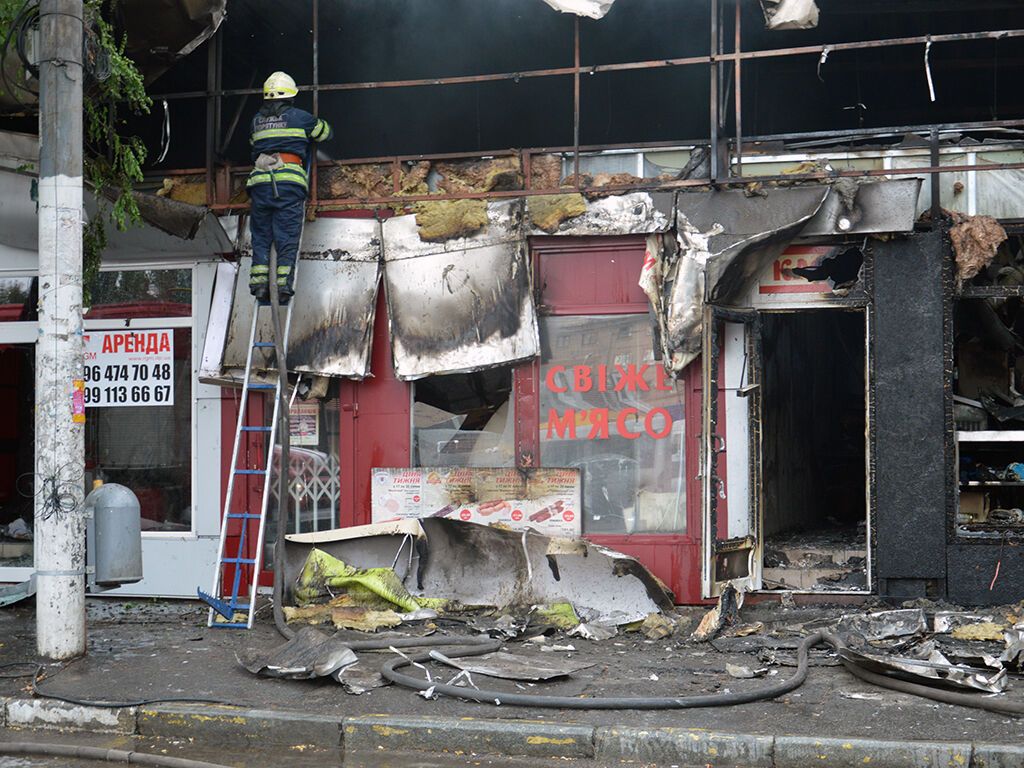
{"x": 596, "y": 399}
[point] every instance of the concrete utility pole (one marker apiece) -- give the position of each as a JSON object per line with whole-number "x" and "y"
{"x": 60, "y": 456}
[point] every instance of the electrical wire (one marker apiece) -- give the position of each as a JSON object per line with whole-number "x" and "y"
{"x": 39, "y": 669}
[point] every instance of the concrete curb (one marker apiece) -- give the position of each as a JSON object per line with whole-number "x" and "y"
{"x": 482, "y": 736}
{"x": 528, "y": 738}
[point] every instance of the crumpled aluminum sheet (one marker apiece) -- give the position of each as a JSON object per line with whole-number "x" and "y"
{"x": 335, "y": 303}
{"x": 484, "y": 566}
{"x": 510, "y": 666}
{"x": 936, "y": 669}
{"x": 461, "y": 305}
{"x": 311, "y": 653}
{"x": 724, "y": 239}
{"x": 634, "y": 213}
{"x": 884, "y": 624}
{"x": 1013, "y": 656}
{"x": 592, "y": 9}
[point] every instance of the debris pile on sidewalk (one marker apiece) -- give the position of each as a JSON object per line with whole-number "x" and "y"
{"x": 530, "y": 599}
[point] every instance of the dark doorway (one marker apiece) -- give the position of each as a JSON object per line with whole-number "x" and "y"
{"x": 813, "y": 450}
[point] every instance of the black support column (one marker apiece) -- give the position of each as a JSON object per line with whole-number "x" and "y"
{"x": 910, "y": 452}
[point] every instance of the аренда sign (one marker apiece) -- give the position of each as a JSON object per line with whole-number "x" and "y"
{"x": 129, "y": 368}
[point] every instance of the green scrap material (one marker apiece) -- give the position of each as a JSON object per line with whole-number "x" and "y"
{"x": 444, "y": 220}
{"x": 323, "y": 575}
{"x": 558, "y": 615}
{"x": 548, "y": 211}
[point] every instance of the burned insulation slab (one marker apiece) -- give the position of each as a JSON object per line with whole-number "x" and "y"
{"x": 464, "y": 304}
{"x": 335, "y": 302}
{"x": 627, "y": 214}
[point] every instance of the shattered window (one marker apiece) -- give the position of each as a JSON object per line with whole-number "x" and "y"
{"x": 464, "y": 420}
{"x": 608, "y": 408}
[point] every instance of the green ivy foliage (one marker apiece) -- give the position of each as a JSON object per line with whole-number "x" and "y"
{"x": 112, "y": 160}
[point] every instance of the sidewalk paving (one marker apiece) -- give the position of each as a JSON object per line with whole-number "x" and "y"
{"x": 146, "y": 649}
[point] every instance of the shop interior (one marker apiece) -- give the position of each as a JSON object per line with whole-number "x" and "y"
{"x": 814, "y": 450}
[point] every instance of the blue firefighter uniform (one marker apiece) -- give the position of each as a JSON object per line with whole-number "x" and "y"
{"x": 277, "y": 187}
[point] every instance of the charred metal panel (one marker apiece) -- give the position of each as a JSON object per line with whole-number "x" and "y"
{"x": 635, "y": 213}
{"x": 725, "y": 238}
{"x": 973, "y": 569}
{"x": 867, "y": 208}
{"x": 910, "y": 412}
{"x": 461, "y": 305}
{"x": 335, "y": 295}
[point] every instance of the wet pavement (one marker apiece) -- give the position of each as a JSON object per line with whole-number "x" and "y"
{"x": 148, "y": 649}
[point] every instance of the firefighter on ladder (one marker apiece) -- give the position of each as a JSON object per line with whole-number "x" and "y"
{"x": 278, "y": 185}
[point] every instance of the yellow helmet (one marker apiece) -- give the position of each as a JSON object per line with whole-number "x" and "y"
{"x": 279, "y": 86}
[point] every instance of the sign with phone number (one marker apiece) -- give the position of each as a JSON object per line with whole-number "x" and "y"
{"x": 125, "y": 368}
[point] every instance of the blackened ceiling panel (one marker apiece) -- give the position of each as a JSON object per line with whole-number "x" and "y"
{"x": 335, "y": 299}
{"x": 463, "y": 304}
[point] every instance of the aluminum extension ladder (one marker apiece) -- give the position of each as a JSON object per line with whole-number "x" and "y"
{"x": 236, "y": 610}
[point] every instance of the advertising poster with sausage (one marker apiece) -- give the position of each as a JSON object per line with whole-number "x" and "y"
{"x": 546, "y": 500}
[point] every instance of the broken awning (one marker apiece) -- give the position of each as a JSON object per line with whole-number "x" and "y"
{"x": 463, "y": 304}
{"x": 724, "y": 239}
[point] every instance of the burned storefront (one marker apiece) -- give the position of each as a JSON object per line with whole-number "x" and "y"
{"x": 743, "y": 303}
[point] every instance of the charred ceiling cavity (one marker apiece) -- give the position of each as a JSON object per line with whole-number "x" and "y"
{"x": 841, "y": 269}
{"x": 160, "y": 32}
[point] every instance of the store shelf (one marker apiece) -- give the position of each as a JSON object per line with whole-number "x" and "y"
{"x": 991, "y": 436}
{"x": 978, "y": 483}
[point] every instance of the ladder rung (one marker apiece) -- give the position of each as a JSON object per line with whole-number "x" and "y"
{"x": 229, "y": 625}
{"x": 263, "y": 344}
{"x": 256, "y": 429}
{"x": 239, "y": 560}
{"x": 243, "y": 516}
{"x": 250, "y": 471}
{"x": 263, "y": 386}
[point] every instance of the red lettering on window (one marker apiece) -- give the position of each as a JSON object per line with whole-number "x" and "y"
{"x": 564, "y": 425}
{"x": 620, "y": 423}
{"x": 582, "y": 382}
{"x": 631, "y": 378}
{"x": 665, "y": 431}
{"x": 598, "y": 423}
{"x": 549, "y": 378}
